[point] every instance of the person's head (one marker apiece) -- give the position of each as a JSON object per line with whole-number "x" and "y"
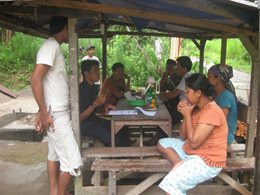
{"x": 197, "y": 87}
{"x": 118, "y": 70}
{"x": 219, "y": 75}
{"x": 90, "y": 50}
{"x": 184, "y": 65}
{"x": 59, "y": 28}
{"x": 170, "y": 66}
{"x": 90, "y": 70}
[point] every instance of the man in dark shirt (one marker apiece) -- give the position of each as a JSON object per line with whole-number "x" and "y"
{"x": 90, "y": 102}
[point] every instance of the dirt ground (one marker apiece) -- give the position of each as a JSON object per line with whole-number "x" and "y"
{"x": 22, "y": 164}
{"x": 23, "y": 168}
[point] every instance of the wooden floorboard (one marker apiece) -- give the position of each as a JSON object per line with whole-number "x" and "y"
{"x": 154, "y": 190}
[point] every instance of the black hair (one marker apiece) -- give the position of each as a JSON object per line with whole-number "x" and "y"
{"x": 185, "y": 62}
{"x": 117, "y": 65}
{"x": 170, "y": 62}
{"x": 57, "y": 24}
{"x": 200, "y": 82}
{"x": 86, "y": 65}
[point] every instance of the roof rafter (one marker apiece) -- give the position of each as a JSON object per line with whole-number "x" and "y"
{"x": 166, "y": 17}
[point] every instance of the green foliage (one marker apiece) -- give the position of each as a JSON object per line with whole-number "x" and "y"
{"x": 17, "y": 59}
{"x": 236, "y": 55}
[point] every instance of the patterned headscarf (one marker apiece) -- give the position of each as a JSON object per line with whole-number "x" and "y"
{"x": 224, "y": 72}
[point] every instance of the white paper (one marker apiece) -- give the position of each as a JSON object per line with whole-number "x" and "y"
{"x": 123, "y": 112}
{"x": 145, "y": 112}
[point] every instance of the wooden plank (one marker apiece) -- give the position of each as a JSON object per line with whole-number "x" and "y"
{"x": 223, "y": 49}
{"x": 6, "y": 91}
{"x": 162, "y": 165}
{"x": 135, "y": 165}
{"x": 203, "y": 6}
{"x": 204, "y": 189}
{"x": 138, "y": 189}
{"x": 240, "y": 164}
{"x": 257, "y": 146}
{"x": 234, "y": 184}
{"x": 202, "y": 49}
{"x": 250, "y": 45}
{"x": 104, "y": 50}
{"x": 74, "y": 89}
{"x": 106, "y": 152}
{"x": 236, "y": 148}
{"x": 157, "y": 16}
{"x": 112, "y": 183}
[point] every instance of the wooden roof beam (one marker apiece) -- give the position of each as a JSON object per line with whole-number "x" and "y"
{"x": 10, "y": 23}
{"x": 43, "y": 10}
{"x": 157, "y": 16}
{"x": 204, "y": 6}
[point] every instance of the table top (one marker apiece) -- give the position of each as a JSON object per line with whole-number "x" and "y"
{"x": 161, "y": 113}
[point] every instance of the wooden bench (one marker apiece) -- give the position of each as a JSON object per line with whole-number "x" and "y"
{"x": 149, "y": 162}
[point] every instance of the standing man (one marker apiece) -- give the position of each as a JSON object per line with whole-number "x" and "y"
{"x": 90, "y": 54}
{"x": 50, "y": 88}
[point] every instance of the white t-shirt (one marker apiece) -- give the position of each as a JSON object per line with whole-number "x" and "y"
{"x": 182, "y": 86}
{"x": 55, "y": 82}
{"x": 90, "y": 58}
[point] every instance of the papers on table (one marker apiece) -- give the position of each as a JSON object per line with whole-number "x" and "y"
{"x": 145, "y": 112}
{"x": 131, "y": 112}
{"x": 123, "y": 112}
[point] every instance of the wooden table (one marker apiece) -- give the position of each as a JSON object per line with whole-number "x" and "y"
{"x": 161, "y": 119}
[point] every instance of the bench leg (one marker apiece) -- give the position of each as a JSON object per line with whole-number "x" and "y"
{"x": 111, "y": 183}
{"x": 145, "y": 184}
{"x": 233, "y": 183}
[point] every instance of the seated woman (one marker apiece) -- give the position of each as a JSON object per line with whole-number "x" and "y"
{"x": 224, "y": 98}
{"x": 200, "y": 154}
{"x": 115, "y": 85}
{"x": 90, "y": 102}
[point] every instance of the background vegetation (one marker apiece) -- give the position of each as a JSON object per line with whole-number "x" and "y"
{"x": 17, "y": 57}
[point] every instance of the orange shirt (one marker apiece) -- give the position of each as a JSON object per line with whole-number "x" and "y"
{"x": 111, "y": 87}
{"x": 214, "y": 149}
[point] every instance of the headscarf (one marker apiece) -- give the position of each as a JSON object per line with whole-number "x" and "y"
{"x": 224, "y": 72}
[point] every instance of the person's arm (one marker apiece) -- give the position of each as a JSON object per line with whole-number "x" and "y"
{"x": 170, "y": 95}
{"x": 195, "y": 136}
{"x": 43, "y": 119}
{"x": 87, "y": 112}
{"x": 226, "y": 111}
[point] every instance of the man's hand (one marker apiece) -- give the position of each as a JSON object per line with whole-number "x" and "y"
{"x": 109, "y": 107}
{"x": 43, "y": 121}
{"x": 101, "y": 99}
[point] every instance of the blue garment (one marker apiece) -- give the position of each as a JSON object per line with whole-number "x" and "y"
{"x": 227, "y": 100}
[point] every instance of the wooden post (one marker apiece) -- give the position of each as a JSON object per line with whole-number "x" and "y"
{"x": 223, "y": 49}
{"x": 257, "y": 152}
{"x": 250, "y": 45}
{"x": 104, "y": 50}
{"x": 201, "y": 47}
{"x": 74, "y": 89}
{"x": 257, "y": 148}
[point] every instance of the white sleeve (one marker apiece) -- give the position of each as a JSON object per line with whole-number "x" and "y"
{"x": 46, "y": 54}
{"x": 181, "y": 85}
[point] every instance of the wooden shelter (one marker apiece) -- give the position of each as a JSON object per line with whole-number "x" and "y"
{"x": 199, "y": 20}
